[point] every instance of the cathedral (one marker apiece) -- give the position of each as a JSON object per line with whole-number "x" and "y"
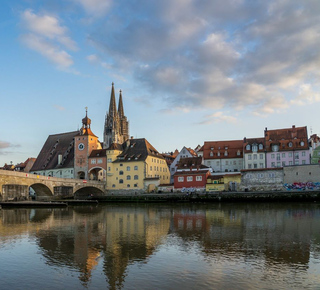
{"x": 116, "y": 128}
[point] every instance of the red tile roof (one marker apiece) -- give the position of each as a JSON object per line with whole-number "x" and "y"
{"x": 223, "y": 149}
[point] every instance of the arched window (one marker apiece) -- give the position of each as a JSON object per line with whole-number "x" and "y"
{"x": 211, "y": 154}
{"x": 120, "y": 172}
{"x": 136, "y": 167}
{"x": 128, "y": 177}
{"x": 254, "y": 148}
{"x": 120, "y": 180}
{"x": 248, "y": 147}
{"x": 136, "y": 177}
{"x": 128, "y": 168}
{"x": 260, "y": 146}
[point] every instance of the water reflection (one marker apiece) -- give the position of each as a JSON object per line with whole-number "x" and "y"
{"x": 277, "y": 242}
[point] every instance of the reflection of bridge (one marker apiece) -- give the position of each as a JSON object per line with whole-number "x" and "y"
{"x": 16, "y": 185}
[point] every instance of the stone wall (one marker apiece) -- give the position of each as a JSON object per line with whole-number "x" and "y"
{"x": 302, "y": 173}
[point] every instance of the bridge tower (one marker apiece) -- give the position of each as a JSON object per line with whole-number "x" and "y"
{"x": 84, "y": 143}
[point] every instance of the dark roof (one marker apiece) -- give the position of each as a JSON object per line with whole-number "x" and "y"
{"x": 137, "y": 150}
{"x": 58, "y": 144}
{"x": 195, "y": 172}
{"x": 98, "y": 153}
{"x": 115, "y": 146}
{"x": 190, "y": 162}
{"x": 253, "y": 141}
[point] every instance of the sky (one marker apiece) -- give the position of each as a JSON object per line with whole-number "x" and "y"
{"x": 190, "y": 71}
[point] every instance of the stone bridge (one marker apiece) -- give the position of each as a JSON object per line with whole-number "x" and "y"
{"x": 17, "y": 185}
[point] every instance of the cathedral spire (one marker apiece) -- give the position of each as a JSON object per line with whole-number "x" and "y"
{"x": 112, "y": 106}
{"x": 120, "y": 107}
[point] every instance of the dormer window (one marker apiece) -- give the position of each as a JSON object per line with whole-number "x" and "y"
{"x": 218, "y": 153}
{"x": 254, "y": 148}
{"x": 290, "y": 144}
{"x": 248, "y": 147}
{"x": 211, "y": 148}
{"x": 275, "y": 148}
{"x": 238, "y": 152}
{"x": 260, "y": 146}
{"x": 301, "y": 143}
{"x": 211, "y": 154}
{"x": 225, "y": 153}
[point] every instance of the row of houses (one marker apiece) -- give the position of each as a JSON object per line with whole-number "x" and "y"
{"x": 126, "y": 163}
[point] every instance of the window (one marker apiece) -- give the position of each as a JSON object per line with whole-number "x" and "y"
{"x": 278, "y": 156}
{"x": 225, "y": 153}
{"x": 255, "y": 156}
{"x": 290, "y": 154}
{"x": 283, "y": 163}
{"x": 218, "y": 153}
{"x": 211, "y": 154}
{"x": 283, "y": 155}
{"x": 249, "y": 157}
{"x": 254, "y": 148}
{"x": 128, "y": 185}
{"x": 260, "y": 146}
{"x": 248, "y": 147}
{"x": 272, "y": 175}
{"x": 109, "y": 168}
{"x": 290, "y": 144}
{"x": 249, "y": 166}
{"x": 296, "y": 155}
{"x": 238, "y": 152}
{"x": 151, "y": 168}
{"x": 261, "y": 165}
{"x": 278, "y": 164}
{"x": 275, "y": 148}
{"x": 218, "y": 162}
{"x": 136, "y": 177}
{"x": 93, "y": 161}
{"x": 255, "y": 165}
{"x": 120, "y": 180}
{"x": 128, "y": 168}
{"x": 296, "y": 162}
{"x": 136, "y": 167}
{"x": 303, "y": 153}
{"x": 199, "y": 178}
{"x": 180, "y": 179}
{"x": 290, "y": 162}
{"x": 261, "y": 156}
{"x": 302, "y": 143}
{"x": 227, "y": 162}
{"x": 121, "y": 164}
{"x": 99, "y": 161}
{"x": 303, "y": 162}
{"x": 120, "y": 172}
{"x": 128, "y": 177}
{"x": 272, "y": 156}
{"x": 189, "y": 178}
{"x": 273, "y": 164}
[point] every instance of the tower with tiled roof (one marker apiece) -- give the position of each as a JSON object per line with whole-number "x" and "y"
{"x": 116, "y": 128}
{"x": 84, "y": 143}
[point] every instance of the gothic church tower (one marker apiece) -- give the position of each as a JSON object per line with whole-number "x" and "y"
{"x": 116, "y": 128}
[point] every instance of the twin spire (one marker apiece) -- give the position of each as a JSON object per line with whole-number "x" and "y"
{"x": 113, "y": 107}
{"x": 116, "y": 128}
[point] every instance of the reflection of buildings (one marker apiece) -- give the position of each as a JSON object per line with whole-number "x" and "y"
{"x": 115, "y": 237}
{"x": 82, "y": 237}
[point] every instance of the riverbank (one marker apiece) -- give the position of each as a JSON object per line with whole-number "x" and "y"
{"x": 215, "y": 197}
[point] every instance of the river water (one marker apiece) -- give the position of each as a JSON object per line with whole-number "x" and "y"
{"x": 162, "y": 246}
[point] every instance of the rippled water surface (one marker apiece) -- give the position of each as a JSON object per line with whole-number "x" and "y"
{"x": 162, "y": 246}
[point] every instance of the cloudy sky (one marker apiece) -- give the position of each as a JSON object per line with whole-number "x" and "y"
{"x": 190, "y": 70}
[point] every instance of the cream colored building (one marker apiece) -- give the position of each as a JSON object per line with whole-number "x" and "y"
{"x": 135, "y": 165}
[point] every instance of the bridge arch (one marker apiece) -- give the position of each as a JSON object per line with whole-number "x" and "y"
{"x": 97, "y": 173}
{"x": 88, "y": 192}
{"x": 42, "y": 192}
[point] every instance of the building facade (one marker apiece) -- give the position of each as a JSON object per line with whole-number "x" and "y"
{"x": 254, "y": 155}
{"x": 286, "y": 147}
{"x": 223, "y": 156}
{"x": 135, "y": 165}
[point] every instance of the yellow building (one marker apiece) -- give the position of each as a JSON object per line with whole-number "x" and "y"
{"x": 226, "y": 182}
{"x": 135, "y": 165}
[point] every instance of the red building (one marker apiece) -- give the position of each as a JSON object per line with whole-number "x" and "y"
{"x": 191, "y": 174}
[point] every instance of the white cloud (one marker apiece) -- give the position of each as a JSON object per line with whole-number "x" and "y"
{"x": 306, "y": 96}
{"x": 52, "y": 52}
{"x": 95, "y": 8}
{"x": 219, "y": 117}
{"x": 46, "y": 36}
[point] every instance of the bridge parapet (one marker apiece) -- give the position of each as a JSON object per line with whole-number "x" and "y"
{"x": 45, "y": 185}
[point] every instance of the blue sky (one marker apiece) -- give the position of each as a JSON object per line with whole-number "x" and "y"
{"x": 190, "y": 70}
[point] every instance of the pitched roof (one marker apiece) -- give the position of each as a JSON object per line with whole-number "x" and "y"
{"x": 55, "y": 145}
{"x": 190, "y": 162}
{"x": 223, "y": 149}
{"x": 137, "y": 150}
{"x": 254, "y": 141}
{"x": 98, "y": 153}
{"x": 295, "y": 138}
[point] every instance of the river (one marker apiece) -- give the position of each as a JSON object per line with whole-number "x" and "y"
{"x": 162, "y": 246}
